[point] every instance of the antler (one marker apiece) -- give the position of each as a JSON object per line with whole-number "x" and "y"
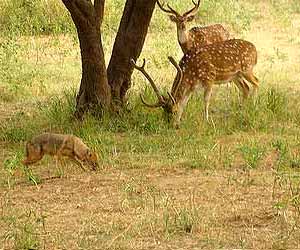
{"x": 192, "y": 11}
{"x": 177, "y": 80}
{"x": 170, "y": 10}
{"x": 161, "y": 99}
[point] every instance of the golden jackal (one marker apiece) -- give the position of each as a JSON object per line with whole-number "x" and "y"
{"x": 59, "y": 145}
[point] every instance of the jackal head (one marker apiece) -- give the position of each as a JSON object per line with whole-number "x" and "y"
{"x": 92, "y": 159}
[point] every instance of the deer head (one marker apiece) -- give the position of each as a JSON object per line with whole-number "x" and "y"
{"x": 232, "y": 60}
{"x": 180, "y": 20}
{"x": 167, "y": 102}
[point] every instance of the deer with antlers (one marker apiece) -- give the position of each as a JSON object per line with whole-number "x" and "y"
{"x": 197, "y": 36}
{"x": 232, "y": 60}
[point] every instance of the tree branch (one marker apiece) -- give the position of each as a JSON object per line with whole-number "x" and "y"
{"x": 86, "y": 8}
{"x": 99, "y": 12}
{"x": 82, "y": 11}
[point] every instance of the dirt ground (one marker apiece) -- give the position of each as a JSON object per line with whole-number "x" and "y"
{"x": 151, "y": 208}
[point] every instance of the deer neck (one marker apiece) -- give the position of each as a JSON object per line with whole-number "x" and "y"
{"x": 182, "y": 35}
{"x": 181, "y": 98}
{"x": 181, "y": 95}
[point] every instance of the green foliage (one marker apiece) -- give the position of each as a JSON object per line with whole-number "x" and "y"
{"x": 11, "y": 164}
{"x": 287, "y": 156}
{"x": 181, "y": 221}
{"x": 33, "y": 78}
{"x": 252, "y": 154}
{"x": 32, "y": 17}
{"x": 9, "y": 52}
{"x": 44, "y": 17}
{"x": 31, "y": 177}
{"x": 16, "y": 130}
{"x": 276, "y": 102}
{"x": 236, "y": 14}
{"x": 283, "y": 10}
{"x": 59, "y": 109}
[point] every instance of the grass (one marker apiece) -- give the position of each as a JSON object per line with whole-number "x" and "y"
{"x": 231, "y": 183}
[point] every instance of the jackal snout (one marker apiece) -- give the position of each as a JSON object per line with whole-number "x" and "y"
{"x": 92, "y": 159}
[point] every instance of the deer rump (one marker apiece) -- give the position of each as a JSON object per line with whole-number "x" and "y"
{"x": 218, "y": 64}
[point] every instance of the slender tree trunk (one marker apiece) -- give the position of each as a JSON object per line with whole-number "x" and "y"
{"x": 128, "y": 44}
{"x": 94, "y": 94}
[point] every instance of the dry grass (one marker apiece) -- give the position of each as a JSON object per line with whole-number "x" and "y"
{"x": 166, "y": 208}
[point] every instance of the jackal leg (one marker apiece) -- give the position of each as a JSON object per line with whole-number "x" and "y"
{"x": 77, "y": 162}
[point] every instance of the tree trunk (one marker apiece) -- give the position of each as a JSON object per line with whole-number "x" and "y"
{"x": 128, "y": 44}
{"x": 94, "y": 93}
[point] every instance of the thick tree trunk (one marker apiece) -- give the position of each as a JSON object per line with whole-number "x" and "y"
{"x": 94, "y": 94}
{"x": 128, "y": 44}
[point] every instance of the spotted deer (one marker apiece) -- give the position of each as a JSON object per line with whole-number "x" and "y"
{"x": 232, "y": 60}
{"x": 197, "y": 36}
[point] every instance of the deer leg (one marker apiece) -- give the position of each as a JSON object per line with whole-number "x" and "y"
{"x": 207, "y": 96}
{"x": 249, "y": 76}
{"x": 180, "y": 107}
{"x": 242, "y": 86}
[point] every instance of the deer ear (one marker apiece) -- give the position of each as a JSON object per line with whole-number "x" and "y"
{"x": 173, "y": 18}
{"x": 190, "y": 18}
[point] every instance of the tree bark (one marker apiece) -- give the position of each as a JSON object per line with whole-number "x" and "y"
{"x": 94, "y": 93}
{"x": 128, "y": 44}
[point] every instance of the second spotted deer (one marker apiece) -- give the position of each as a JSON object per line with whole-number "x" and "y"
{"x": 190, "y": 40}
{"x": 232, "y": 60}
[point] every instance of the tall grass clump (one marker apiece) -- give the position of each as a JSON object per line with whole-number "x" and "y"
{"x": 266, "y": 110}
{"x": 58, "y": 109}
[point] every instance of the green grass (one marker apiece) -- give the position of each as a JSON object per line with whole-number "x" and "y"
{"x": 33, "y": 17}
{"x": 24, "y": 229}
{"x": 144, "y": 134}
